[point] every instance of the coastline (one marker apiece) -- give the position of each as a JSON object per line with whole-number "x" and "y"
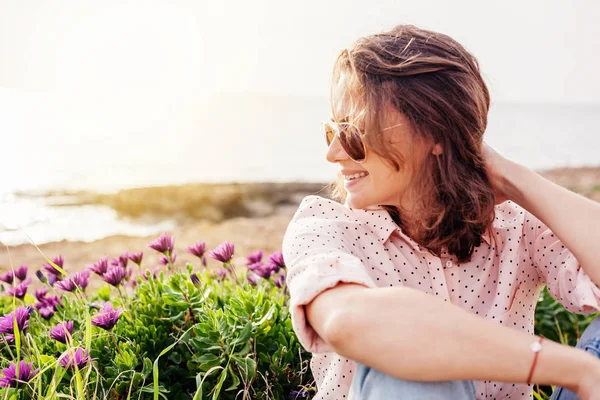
{"x": 264, "y": 211}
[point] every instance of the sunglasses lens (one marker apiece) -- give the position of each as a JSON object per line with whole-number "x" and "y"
{"x": 351, "y": 142}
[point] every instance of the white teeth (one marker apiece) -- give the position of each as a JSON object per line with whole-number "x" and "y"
{"x": 354, "y": 176}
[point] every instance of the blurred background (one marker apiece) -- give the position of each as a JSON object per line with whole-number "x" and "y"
{"x": 123, "y": 119}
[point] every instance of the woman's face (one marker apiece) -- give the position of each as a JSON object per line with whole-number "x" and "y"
{"x": 380, "y": 183}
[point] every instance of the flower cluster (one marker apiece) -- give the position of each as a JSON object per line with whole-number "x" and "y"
{"x": 265, "y": 270}
{"x": 19, "y": 290}
{"x": 46, "y": 305}
{"x": 19, "y": 273}
{"x": 77, "y": 280}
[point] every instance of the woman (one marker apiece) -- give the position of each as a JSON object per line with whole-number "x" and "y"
{"x": 423, "y": 285}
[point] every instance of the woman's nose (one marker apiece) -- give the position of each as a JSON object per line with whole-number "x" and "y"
{"x": 336, "y": 153}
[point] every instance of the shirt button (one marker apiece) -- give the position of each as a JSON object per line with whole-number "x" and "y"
{"x": 448, "y": 264}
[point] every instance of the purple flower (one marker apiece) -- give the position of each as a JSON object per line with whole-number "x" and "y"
{"x": 295, "y": 394}
{"x": 114, "y": 275}
{"x": 164, "y": 260}
{"x": 41, "y": 276}
{"x": 7, "y": 277}
{"x": 254, "y": 257}
{"x": 77, "y": 279}
{"x": 19, "y": 290}
{"x": 54, "y": 275}
{"x": 223, "y": 252}
{"x": 136, "y": 257}
{"x": 124, "y": 259}
{"x": 100, "y": 266}
{"x": 66, "y": 285}
{"x": 46, "y": 311}
{"x": 21, "y": 314}
{"x": 61, "y": 331}
{"x": 263, "y": 270}
{"x": 26, "y": 373}
{"x": 198, "y": 249}
{"x": 195, "y": 279}
{"x": 221, "y": 274}
{"x": 106, "y": 317}
{"x": 79, "y": 357}
{"x": 253, "y": 278}
{"x": 164, "y": 244}
{"x": 41, "y": 293}
{"x": 21, "y": 272}
{"x": 276, "y": 260}
{"x": 81, "y": 278}
{"x": 51, "y": 301}
{"x": 280, "y": 280}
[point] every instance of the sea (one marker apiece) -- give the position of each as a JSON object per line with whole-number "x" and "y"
{"x": 228, "y": 138}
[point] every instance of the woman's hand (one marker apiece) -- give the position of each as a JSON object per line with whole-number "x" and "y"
{"x": 494, "y": 166}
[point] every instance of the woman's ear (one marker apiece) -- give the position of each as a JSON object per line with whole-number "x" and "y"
{"x": 437, "y": 149}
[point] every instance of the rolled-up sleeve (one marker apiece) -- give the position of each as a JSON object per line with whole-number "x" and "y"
{"x": 318, "y": 257}
{"x": 558, "y": 268}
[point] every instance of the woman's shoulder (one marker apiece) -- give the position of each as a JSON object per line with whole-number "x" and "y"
{"x": 313, "y": 206}
{"x": 510, "y": 215}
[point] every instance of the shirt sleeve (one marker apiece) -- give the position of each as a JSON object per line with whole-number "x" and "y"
{"x": 558, "y": 268}
{"x": 317, "y": 255}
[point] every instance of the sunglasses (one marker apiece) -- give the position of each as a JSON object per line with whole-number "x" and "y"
{"x": 350, "y": 138}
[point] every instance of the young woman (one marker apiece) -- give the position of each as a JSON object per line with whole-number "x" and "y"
{"x": 423, "y": 284}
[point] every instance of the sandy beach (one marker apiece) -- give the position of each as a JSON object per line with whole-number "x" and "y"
{"x": 258, "y": 230}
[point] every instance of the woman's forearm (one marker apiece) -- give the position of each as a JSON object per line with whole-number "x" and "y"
{"x": 412, "y": 335}
{"x": 574, "y": 219}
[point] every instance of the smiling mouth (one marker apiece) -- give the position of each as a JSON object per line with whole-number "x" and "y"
{"x": 355, "y": 176}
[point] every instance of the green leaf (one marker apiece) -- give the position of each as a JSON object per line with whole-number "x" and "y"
{"x": 209, "y": 357}
{"x": 147, "y": 368}
{"x": 247, "y": 366}
{"x": 217, "y": 388}
{"x": 236, "y": 380}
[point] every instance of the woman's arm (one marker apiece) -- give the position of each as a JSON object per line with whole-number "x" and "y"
{"x": 411, "y": 335}
{"x": 574, "y": 219}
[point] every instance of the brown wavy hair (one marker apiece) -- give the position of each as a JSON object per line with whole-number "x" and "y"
{"x": 436, "y": 84}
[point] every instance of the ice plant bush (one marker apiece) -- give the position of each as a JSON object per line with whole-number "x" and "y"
{"x": 160, "y": 338}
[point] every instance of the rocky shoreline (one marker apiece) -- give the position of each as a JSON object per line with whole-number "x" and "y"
{"x": 213, "y": 202}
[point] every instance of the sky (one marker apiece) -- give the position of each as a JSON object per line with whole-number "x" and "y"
{"x": 100, "y": 52}
{"x": 86, "y": 86}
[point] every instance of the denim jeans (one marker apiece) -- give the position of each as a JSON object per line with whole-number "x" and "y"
{"x": 370, "y": 384}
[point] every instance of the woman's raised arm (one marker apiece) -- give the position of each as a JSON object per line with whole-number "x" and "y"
{"x": 574, "y": 219}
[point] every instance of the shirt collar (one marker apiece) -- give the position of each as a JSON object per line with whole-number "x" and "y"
{"x": 383, "y": 226}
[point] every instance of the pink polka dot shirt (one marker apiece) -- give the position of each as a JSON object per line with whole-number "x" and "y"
{"x": 327, "y": 243}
